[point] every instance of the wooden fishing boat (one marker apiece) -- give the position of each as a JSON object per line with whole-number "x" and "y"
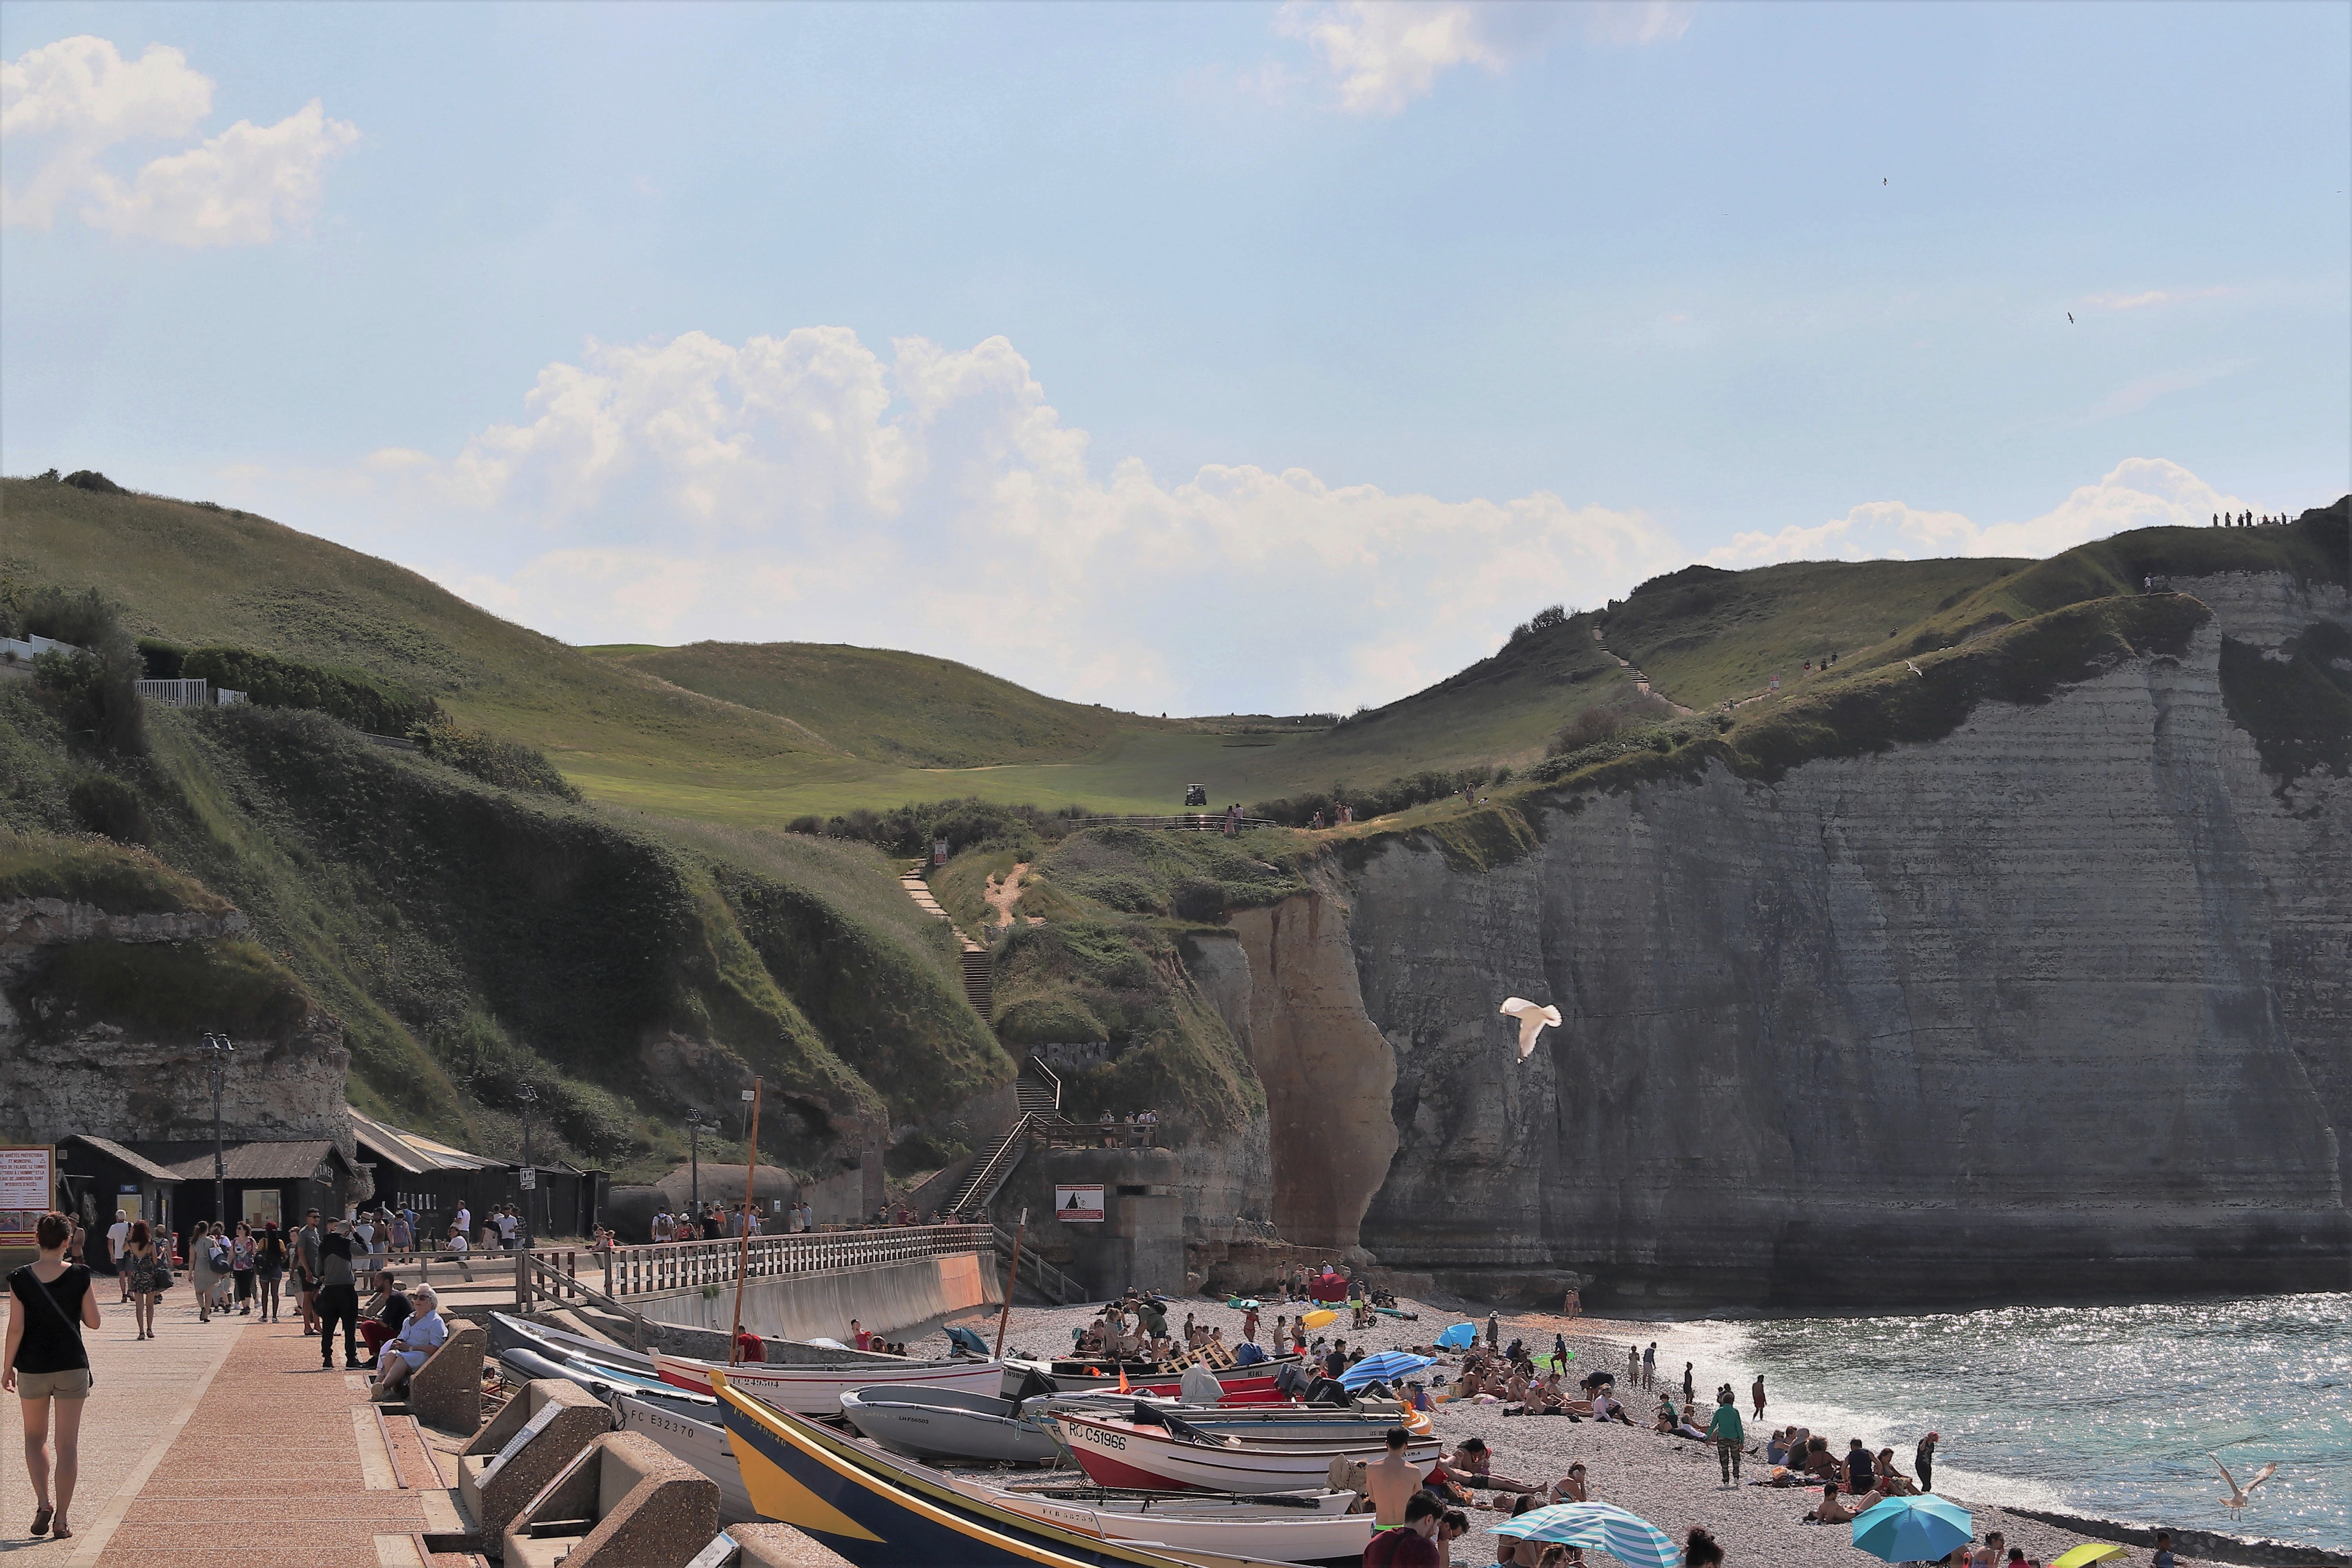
{"x": 1310, "y": 1530}
{"x": 946, "y": 1423}
{"x": 817, "y": 1390}
{"x": 878, "y": 1510}
{"x": 1126, "y": 1453}
{"x": 1248, "y": 1385}
{"x": 695, "y": 1436}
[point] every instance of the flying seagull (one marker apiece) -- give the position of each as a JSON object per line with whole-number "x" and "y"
{"x": 2070, "y": 318}
{"x": 1532, "y": 1018}
{"x": 1882, "y": 181}
{"x": 1915, "y": 669}
{"x": 2241, "y": 1495}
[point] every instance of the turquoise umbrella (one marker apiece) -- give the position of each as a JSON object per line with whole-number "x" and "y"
{"x": 1913, "y": 1529}
{"x": 1597, "y": 1526}
{"x": 1459, "y": 1337}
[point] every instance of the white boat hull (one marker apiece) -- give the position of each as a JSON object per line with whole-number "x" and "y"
{"x": 940, "y": 1428}
{"x": 1286, "y": 1535}
{"x": 1122, "y": 1454}
{"x": 817, "y": 1390}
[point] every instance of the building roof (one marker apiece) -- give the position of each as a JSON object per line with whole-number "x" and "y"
{"x": 128, "y": 1157}
{"x": 257, "y": 1160}
{"x": 414, "y": 1152}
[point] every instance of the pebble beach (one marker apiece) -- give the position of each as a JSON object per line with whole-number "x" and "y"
{"x": 1672, "y": 1482}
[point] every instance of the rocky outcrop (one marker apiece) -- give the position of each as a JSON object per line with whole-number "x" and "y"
{"x": 2055, "y": 1006}
{"x": 72, "y": 1066}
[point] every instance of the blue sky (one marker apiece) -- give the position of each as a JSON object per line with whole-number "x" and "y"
{"x": 1197, "y": 357}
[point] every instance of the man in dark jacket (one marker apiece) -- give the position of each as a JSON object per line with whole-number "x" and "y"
{"x": 1860, "y": 1471}
{"x": 339, "y": 1300}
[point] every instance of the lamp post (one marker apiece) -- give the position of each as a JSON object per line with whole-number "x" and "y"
{"x": 221, "y": 1050}
{"x": 695, "y": 1128}
{"x": 530, "y": 1096}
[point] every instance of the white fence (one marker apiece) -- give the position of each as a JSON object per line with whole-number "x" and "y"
{"x": 189, "y": 694}
{"x": 21, "y": 650}
{"x": 684, "y": 1264}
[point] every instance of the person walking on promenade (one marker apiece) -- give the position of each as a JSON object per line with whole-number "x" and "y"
{"x": 201, "y": 1279}
{"x": 46, "y": 1365}
{"x": 1922, "y": 1461}
{"x": 150, "y": 1274}
{"x": 242, "y": 1257}
{"x": 269, "y": 1270}
{"x": 1755, "y": 1393}
{"x": 306, "y": 1270}
{"x": 117, "y": 1243}
{"x": 339, "y": 1300}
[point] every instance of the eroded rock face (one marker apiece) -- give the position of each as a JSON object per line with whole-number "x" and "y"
{"x": 102, "y": 1081}
{"x": 2060, "y": 1004}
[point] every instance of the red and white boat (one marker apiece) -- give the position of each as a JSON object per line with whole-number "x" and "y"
{"x": 1118, "y": 1453}
{"x": 817, "y": 1390}
{"x": 1252, "y": 1384}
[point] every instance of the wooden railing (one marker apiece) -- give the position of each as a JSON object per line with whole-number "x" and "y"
{"x": 688, "y": 1265}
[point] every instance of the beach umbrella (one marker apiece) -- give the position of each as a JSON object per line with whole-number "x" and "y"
{"x": 1600, "y": 1527}
{"x": 966, "y": 1341}
{"x": 2088, "y": 1553}
{"x": 1913, "y": 1529}
{"x": 1461, "y": 1336}
{"x": 1388, "y": 1366}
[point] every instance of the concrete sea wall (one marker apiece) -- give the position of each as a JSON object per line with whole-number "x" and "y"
{"x": 885, "y": 1298}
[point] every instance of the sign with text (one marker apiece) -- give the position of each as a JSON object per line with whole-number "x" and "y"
{"x": 1078, "y": 1201}
{"x": 28, "y": 1186}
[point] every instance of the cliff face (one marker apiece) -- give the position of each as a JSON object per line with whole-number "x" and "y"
{"x": 93, "y": 1040}
{"x": 2056, "y": 1004}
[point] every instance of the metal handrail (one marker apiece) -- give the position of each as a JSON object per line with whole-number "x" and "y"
{"x": 1053, "y": 1080}
{"x": 1049, "y": 1279}
{"x": 990, "y": 1174}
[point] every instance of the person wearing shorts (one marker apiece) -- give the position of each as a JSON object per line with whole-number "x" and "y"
{"x": 47, "y": 1366}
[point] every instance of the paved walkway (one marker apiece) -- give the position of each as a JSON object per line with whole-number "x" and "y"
{"x": 220, "y": 1443}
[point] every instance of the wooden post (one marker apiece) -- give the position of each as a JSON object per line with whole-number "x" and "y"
{"x": 1011, "y": 1278}
{"x": 743, "y": 1251}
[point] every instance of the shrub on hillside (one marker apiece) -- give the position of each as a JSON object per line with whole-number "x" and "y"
{"x": 1604, "y": 720}
{"x": 911, "y": 829}
{"x": 509, "y": 764}
{"x": 368, "y": 702}
{"x": 1376, "y": 800}
{"x": 93, "y": 693}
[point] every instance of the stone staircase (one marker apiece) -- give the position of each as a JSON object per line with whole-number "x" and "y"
{"x": 971, "y": 956}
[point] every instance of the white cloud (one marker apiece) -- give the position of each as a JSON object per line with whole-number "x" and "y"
{"x": 2152, "y": 296}
{"x": 2139, "y": 492}
{"x": 1381, "y": 55}
{"x": 68, "y": 105}
{"x": 807, "y": 487}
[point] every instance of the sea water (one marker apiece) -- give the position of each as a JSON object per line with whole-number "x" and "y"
{"x": 2105, "y": 1410}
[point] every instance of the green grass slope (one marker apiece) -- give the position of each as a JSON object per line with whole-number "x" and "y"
{"x": 905, "y": 708}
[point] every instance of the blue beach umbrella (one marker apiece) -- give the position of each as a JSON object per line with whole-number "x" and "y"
{"x": 1461, "y": 1336}
{"x": 1388, "y": 1366}
{"x": 1598, "y": 1527}
{"x": 1913, "y": 1529}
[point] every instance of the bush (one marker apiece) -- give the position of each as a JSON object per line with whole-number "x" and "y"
{"x": 366, "y": 702}
{"x": 162, "y": 660}
{"x": 911, "y": 829}
{"x": 1397, "y": 794}
{"x": 95, "y": 693}
{"x": 509, "y": 764}
{"x": 1602, "y": 720}
{"x": 91, "y": 479}
{"x": 105, "y": 804}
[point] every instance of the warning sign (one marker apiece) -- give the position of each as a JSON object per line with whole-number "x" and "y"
{"x": 1083, "y": 1201}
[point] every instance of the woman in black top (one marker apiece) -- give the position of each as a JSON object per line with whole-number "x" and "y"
{"x": 270, "y": 1269}
{"x": 47, "y": 1365}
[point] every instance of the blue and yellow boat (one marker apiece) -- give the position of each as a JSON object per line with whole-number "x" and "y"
{"x": 880, "y": 1512}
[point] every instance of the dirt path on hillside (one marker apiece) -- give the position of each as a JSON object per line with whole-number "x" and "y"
{"x": 1001, "y": 896}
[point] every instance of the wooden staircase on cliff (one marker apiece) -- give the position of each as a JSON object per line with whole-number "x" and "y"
{"x": 1038, "y": 1092}
{"x": 972, "y": 958}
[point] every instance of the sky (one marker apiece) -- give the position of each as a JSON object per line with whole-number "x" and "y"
{"x": 1203, "y": 358}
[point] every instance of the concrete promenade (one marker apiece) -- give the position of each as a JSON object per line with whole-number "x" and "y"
{"x": 220, "y": 1443}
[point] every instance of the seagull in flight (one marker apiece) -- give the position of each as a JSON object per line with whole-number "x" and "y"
{"x": 2241, "y": 1495}
{"x": 1915, "y": 669}
{"x": 2070, "y": 318}
{"x": 1532, "y": 1017}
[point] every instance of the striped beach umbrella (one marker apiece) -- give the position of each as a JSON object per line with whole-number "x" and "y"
{"x": 1597, "y": 1527}
{"x": 1388, "y": 1366}
{"x": 1913, "y": 1529}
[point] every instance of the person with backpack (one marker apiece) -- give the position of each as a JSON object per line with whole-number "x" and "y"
{"x": 338, "y": 1301}
{"x": 47, "y": 1366}
{"x": 222, "y": 1254}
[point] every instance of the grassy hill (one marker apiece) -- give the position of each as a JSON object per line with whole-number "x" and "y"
{"x": 905, "y": 708}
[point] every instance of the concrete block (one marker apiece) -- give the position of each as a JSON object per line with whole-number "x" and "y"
{"x": 446, "y": 1391}
{"x": 643, "y": 1510}
{"x": 554, "y": 1421}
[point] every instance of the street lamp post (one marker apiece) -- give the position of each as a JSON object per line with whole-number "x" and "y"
{"x": 530, "y": 1096}
{"x": 695, "y": 1128}
{"x": 221, "y": 1050}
